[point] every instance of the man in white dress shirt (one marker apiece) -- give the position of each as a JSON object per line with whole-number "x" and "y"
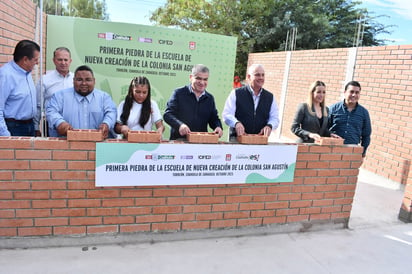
{"x": 55, "y": 80}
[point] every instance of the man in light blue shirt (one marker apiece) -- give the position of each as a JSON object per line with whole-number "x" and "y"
{"x": 18, "y": 104}
{"x": 81, "y": 107}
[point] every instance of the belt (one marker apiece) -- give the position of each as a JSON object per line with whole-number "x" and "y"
{"x": 29, "y": 121}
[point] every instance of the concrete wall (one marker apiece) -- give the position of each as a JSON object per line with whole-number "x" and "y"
{"x": 47, "y": 189}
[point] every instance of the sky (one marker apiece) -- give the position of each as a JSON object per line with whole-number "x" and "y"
{"x": 395, "y": 12}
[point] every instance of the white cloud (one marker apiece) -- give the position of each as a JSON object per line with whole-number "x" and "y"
{"x": 401, "y": 7}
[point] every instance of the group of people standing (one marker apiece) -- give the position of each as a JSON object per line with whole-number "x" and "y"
{"x": 345, "y": 119}
{"x": 72, "y": 102}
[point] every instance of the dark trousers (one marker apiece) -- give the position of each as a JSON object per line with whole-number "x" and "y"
{"x": 17, "y": 128}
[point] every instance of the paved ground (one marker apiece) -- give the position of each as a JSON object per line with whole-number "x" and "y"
{"x": 376, "y": 242}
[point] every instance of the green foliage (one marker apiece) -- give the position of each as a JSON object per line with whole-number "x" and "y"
{"x": 95, "y": 9}
{"x": 263, "y": 25}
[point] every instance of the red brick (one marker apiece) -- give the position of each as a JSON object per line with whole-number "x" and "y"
{"x": 225, "y": 207}
{"x": 138, "y": 193}
{"x": 75, "y": 221}
{"x": 181, "y": 201}
{"x": 277, "y": 205}
{"x": 167, "y": 192}
{"x": 33, "y": 195}
{"x": 103, "y": 193}
{"x": 102, "y": 229}
{"x": 33, "y": 154}
{"x": 319, "y": 216}
{"x": 69, "y": 230}
{"x": 298, "y": 218}
{"x": 48, "y": 185}
{"x": 262, "y": 213}
{"x": 236, "y": 215}
{"x": 167, "y": 209}
{"x": 144, "y": 210}
{"x": 196, "y": 225}
{"x": 8, "y": 232}
{"x": 118, "y": 220}
{"x": 84, "y": 203}
{"x": 197, "y": 208}
{"x": 15, "y": 222}
{"x": 50, "y": 143}
{"x": 51, "y": 221}
{"x": 68, "y": 175}
{"x": 70, "y": 212}
{"x": 69, "y": 155}
{"x": 7, "y": 213}
{"x": 198, "y": 192}
{"x": 103, "y": 211}
{"x": 82, "y": 145}
{"x": 49, "y": 203}
{"x": 251, "y": 206}
{"x": 209, "y": 216}
{"x": 118, "y": 202}
{"x": 68, "y": 194}
{"x": 150, "y": 201}
{"x": 34, "y": 231}
{"x": 7, "y": 154}
{"x": 47, "y": 165}
{"x": 134, "y": 228}
{"x": 222, "y": 223}
{"x": 32, "y": 175}
{"x": 180, "y": 217}
{"x": 14, "y": 204}
{"x": 287, "y": 212}
{"x": 81, "y": 165}
{"x": 249, "y": 222}
{"x": 6, "y": 175}
{"x": 14, "y": 164}
{"x": 226, "y": 191}
{"x": 274, "y": 220}
{"x": 151, "y": 218}
{"x": 25, "y": 213}
{"x": 238, "y": 199}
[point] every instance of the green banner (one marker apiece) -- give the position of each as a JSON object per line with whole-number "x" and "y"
{"x": 117, "y": 52}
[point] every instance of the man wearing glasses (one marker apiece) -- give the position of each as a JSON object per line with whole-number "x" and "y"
{"x": 191, "y": 108}
{"x": 82, "y": 106}
{"x": 251, "y": 109}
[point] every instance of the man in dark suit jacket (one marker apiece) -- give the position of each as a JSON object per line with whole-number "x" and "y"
{"x": 191, "y": 108}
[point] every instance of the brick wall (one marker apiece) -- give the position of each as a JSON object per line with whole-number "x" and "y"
{"x": 385, "y": 74}
{"x": 47, "y": 189}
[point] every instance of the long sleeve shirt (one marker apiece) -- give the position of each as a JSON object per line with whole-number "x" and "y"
{"x": 134, "y": 116}
{"x": 52, "y": 81}
{"x": 17, "y": 95}
{"x": 353, "y": 126}
{"x": 81, "y": 112}
{"x": 184, "y": 108}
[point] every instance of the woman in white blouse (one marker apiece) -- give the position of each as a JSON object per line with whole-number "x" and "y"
{"x": 138, "y": 111}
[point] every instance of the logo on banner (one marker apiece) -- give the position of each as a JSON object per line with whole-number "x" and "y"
{"x": 165, "y": 42}
{"x": 228, "y": 157}
{"x": 113, "y": 36}
{"x": 192, "y": 45}
{"x": 145, "y": 40}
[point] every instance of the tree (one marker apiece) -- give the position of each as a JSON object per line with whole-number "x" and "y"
{"x": 262, "y": 25}
{"x": 95, "y": 9}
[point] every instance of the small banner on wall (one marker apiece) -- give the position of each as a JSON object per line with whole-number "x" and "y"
{"x": 133, "y": 164}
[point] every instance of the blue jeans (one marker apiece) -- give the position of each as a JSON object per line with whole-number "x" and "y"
{"x": 20, "y": 129}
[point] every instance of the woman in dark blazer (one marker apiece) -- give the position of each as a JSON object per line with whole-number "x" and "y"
{"x": 311, "y": 118}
